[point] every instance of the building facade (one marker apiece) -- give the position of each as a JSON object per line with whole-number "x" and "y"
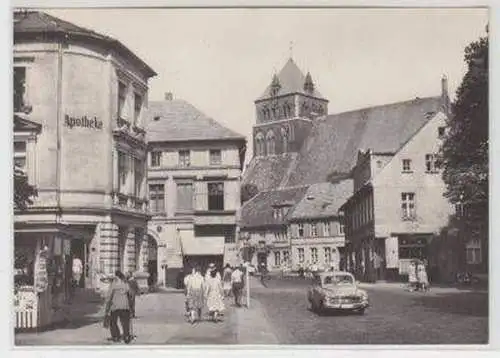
{"x": 398, "y": 208}
{"x": 194, "y": 173}
{"x": 88, "y": 94}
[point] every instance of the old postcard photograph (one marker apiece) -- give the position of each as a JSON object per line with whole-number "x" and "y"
{"x": 250, "y": 176}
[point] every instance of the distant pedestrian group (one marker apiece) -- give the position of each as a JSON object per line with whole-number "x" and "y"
{"x": 209, "y": 291}
{"x": 417, "y": 277}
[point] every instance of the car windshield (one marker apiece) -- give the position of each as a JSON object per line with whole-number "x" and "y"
{"x": 338, "y": 280}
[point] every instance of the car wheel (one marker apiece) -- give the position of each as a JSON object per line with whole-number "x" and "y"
{"x": 360, "y": 312}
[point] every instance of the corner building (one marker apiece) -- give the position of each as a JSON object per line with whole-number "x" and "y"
{"x": 85, "y": 94}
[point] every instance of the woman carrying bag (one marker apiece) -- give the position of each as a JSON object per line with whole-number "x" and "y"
{"x": 118, "y": 306}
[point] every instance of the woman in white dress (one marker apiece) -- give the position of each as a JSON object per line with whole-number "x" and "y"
{"x": 214, "y": 296}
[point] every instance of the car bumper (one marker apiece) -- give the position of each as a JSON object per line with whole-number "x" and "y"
{"x": 346, "y": 306}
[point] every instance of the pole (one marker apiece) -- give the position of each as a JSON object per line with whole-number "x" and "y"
{"x": 248, "y": 287}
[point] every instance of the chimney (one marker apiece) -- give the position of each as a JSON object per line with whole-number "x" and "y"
{"x": 444, "y": 94}
{"x": 169, "y": 96}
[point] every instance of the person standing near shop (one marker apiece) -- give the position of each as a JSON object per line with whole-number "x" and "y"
{"x": 76, "y": 271}
{"x": 237, "y": 284}
{"x": 118, "y": 306}
{"x": 226, "y": 280}
{"x": 194, "y": 294}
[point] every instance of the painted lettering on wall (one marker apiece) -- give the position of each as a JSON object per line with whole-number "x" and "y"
{"x": 83, "y": 122}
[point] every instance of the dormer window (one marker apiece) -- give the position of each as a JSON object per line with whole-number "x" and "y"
{"x": 441, "y": 132}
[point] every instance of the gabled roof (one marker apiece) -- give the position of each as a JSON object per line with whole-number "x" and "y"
{"x": 291, "y": 80}
{"x": 258, "y": 211}
{"x": 323, "y": 200}
{"x": 36, "y": 23}
{"x": 267, "y": 172}
{"x": 333, "y": 142}
{"x": 177, "y": 120}
{"x": 22, "y": 124}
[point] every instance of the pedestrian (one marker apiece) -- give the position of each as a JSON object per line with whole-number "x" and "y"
{"x": 226, "y": 280}
{"x": 211, "y": 267}
{"x": 214, "y": 296}
{"x": 423, "y": 280}
{"x": 263, "y": 273}
{"x": 237, "y": 284}
{"x": 194, "y": 294}
{"x": 412, "y": 277}
{"x": 76, "y": 270}
{"x": 118, "y": 304}
{"x": 185, "y": 285}
{"x": 134, "y": 291}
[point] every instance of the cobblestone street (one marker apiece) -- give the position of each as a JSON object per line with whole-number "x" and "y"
{"x": 441, "y": 316}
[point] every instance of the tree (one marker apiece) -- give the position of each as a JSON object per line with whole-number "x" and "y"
{"x": 23, "y": 191}
{"x": 248, "y": 191}
{"x": 464, "y": 153}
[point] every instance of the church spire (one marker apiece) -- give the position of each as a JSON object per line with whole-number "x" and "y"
{"x": 308, "y": 84}
{"x": 275, "y": 85}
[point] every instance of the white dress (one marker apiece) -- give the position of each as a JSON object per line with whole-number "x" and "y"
{"x": 214, "y": 294}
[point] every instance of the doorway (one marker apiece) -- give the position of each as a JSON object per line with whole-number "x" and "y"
{"x": 80, "y": 250}
{"x": 152, "y": 262}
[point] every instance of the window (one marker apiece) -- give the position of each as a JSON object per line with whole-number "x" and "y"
{"x": 138, "y": 177}
{"x": 277, "y": 213}
{"x": 122, "y": 95}
{"x": 137, "y": 107}
{"x": 157, "y": 198}
{"x": 259, "y": 144}
{"x": 215, "y": 157}
{"x": 441, "y": 132}
{"x": 277, "y": 258}
{"x": 326, "y": 228}
{"x": 406, "y": 165}
{"x": 184, "y": 197}
{"x": 286, "y": 257}
{"x": 473, "y": 252}
{"x": 341, "y": 227}
{"x": 408, "y": 206}
{"x": 184, "y": 158}
{"x": 431, "y": 165}
{"x": 314, "y": 229}
{"x": 301, "y": 230}
{"x": 270, "y": 145}
{"x": 156, "y": 159}
{"x": 300, "y": 251}
{"x": 122, "y": 172}
{"x": 20, "y": 155}
{"x": 215, "y": 196}
{"x": 328, "y": 254}
{"x": 19, "y": 88}
{"x": 314, "y": 255}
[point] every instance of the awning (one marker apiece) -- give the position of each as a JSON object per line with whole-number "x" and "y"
{"x": 203, "y": 246}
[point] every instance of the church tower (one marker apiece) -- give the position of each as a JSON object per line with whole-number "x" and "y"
{"x": 285, "y": 111}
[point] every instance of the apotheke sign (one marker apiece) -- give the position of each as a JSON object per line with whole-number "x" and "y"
{"x": 83, "y": 122}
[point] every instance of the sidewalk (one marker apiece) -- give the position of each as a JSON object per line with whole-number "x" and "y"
{"x": 438, "y": 288}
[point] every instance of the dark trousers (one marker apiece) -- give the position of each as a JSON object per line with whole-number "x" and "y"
{"x": 132, "y": 305}
{"x": 124, "y": 316}
{"x": 237, "y": 289}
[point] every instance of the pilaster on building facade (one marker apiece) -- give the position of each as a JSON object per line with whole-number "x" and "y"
{"x": 71, "y": 89}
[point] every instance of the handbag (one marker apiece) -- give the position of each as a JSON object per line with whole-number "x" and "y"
{"x": 107, "y": 321}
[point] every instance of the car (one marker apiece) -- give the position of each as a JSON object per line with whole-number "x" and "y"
{"x": 336, "y": 291}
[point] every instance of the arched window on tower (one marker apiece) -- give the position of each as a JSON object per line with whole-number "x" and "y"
{"x": 284, "y": 139}
{"x": 270, "y": 143}
{"x": 259, "y": 144}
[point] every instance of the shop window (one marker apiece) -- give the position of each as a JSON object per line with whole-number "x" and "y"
{"x": 137, "y": 107}
{"x": 24, "y": 264}
{"x": 286, "y": 257}
{"x": 157, "y": 198}
{"x": 406, "y": 165}
{"x": 408, "y": 206}
{"x": 138, "y": 177}
{"x": 473, "y": 252}
{"x": 300, "y": 252}
{"x": 301, "y": 230}
{"x": 277, "y": 258}
{"x": 216, "y": 196}
{"x": 19, "y": 89}
{"x": 328, "y": 254}
{"x": 122, "y": 96}
{"x": 184, "y": 158}
{"x": 215, "y": 157}
{"x": 431, "y": 163}
{"x": 314, "y": 255}
{"x": 184, "y": 197}
{"x": 20, "y": 155}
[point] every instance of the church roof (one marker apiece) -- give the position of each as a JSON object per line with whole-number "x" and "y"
{"x": 323, "y": 200}
{"x": 267, "y": 172}
{"x": 178, "y": 120}
{"x": 33, "y": 24}
{"x": 291, "y": 80}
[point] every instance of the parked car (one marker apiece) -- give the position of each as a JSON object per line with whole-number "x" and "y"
{"x": 336, "y": 291}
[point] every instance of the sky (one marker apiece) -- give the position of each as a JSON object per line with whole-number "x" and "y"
{"x": 221, "y": 60}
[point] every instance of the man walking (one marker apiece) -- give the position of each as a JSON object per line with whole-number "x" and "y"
{"x": 134, "y": 291}
{"x": 237, "y": 284}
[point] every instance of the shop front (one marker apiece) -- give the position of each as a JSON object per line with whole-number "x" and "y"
{"x": 202, "y": 251}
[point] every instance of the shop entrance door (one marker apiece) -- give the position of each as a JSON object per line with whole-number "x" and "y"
{"x": 79, "y": 250}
